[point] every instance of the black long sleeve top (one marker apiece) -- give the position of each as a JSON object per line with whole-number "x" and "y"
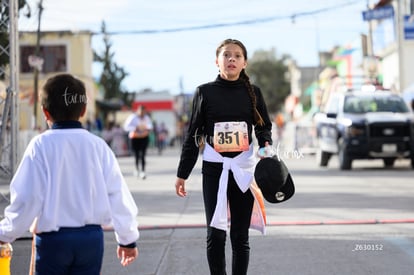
{"x": 219, "y": 101}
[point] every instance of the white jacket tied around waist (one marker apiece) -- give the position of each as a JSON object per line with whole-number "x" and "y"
{"x": 242, "y": 167}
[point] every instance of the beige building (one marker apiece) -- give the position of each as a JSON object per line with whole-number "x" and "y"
{"x": 59, "y": 52}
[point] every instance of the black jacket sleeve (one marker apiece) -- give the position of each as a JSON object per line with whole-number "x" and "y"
{"x": 194, "y": 136}
{"x": 263, "y": 132}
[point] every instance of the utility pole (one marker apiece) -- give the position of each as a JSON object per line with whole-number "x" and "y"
{"x": 370, "y": 60}
{"x": 318, "y": 50}
{"x": 400, "y": 43}
{"x": 14, "y": 83}
{"x": 10, "y": 106}
{"x": 370, "y": 46}
{"x": 36, "y": 69}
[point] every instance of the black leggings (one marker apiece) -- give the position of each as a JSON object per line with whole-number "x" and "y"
{"x": 241, "y": 205}
{"x": 139, "y": 146}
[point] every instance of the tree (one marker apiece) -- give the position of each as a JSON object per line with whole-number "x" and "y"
{"x": 111, "y": 77}
{"x": 4, "y": 32}
{"x": 269, "y": 73}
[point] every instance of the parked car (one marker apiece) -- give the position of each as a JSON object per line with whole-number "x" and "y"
{"x": 365, "y": 125}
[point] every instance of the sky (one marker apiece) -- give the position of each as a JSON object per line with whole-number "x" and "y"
{"x": 170, "y": 45}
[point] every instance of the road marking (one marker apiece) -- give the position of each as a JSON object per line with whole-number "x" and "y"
{"x": 404, "y": 244}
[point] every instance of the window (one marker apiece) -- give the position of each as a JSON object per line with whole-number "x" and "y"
{"x": 365, "y": 104}
{"x": 54, "y": 57}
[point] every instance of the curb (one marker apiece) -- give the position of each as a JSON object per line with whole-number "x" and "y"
{"x": 274, "y": 224}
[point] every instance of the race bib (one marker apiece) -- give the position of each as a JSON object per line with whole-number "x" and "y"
{"x": 231, "y": 136}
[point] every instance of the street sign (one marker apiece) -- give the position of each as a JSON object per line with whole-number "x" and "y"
{"x": 409, "y": 27}
{"x": 378, "y": 13}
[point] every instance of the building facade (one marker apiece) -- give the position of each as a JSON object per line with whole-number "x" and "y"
{"x": 59, "y": 52}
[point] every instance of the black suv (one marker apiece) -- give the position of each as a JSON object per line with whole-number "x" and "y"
{"x": 365, "y": 125}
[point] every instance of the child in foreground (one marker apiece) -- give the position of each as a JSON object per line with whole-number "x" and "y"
{"x": 69, "y": 184}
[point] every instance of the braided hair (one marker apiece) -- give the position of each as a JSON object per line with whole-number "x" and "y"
{"x": 243, "y": 75}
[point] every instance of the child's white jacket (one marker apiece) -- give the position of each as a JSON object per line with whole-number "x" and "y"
{"x": 69, "y": 178}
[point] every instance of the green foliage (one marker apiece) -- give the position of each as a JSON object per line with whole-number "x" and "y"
{"x": 4, "y": 32}
{"x": 112, "y": 74}
{"x": 269, "y": 74}
{"x": 111, "y": 77}
{"x": 4, "y": 41}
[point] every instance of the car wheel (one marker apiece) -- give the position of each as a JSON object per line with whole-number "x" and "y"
{"x": 412, "y": 160}
{"x": 322, "y": 158}
{"x": 345, "y": 162}
{"x": 389, "y": 162}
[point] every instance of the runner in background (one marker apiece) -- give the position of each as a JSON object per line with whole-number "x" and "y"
{"x": 280, "y": 125}
{"x": 139, "y": 126}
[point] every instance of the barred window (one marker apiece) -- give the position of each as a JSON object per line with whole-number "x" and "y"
{"x": 54, "y": 58}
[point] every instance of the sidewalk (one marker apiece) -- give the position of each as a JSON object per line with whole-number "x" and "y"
{"x": 173, "y": 230}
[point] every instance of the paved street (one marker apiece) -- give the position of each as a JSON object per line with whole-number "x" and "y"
{"x": 339, "y": 222}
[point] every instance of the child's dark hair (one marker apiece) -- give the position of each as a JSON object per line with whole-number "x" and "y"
{"x": 64, "y": 97}
{"x": 257, "y": 117}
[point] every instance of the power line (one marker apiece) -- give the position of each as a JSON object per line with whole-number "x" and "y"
{"x": 230, "y": 24}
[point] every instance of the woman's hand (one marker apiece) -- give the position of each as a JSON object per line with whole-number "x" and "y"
{"x": 180, "y": 187}
{"x": 265, "y": 151}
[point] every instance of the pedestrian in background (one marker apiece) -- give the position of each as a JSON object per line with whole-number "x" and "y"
{"x": 162, "y": 137}
{"x": 280, "y": 125}
{"x": 228, "y": 159}
{"x": 107, "y": 133}
{"x": 139, "y": 125}
{"x": 119, "y": 141}
{"x": 67, "y": 185}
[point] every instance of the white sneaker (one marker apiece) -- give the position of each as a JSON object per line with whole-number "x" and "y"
{"x": 135, "y": 173}
{"x": 142, "y": 175}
